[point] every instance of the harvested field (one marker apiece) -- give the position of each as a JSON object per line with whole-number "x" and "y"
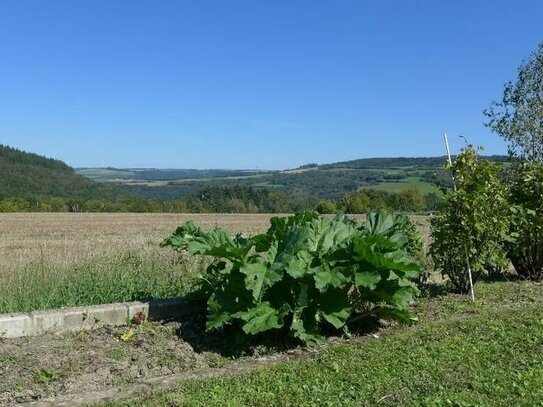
{"x": 63, "y": 239}
{"x": 51, "y": 260}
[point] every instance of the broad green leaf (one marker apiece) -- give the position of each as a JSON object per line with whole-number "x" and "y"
{"x": 335, "y": 307}
{"x": 258, "y": 277}
{"x": 217, "y": 320}
{"x": 299, "y": 331}
{"x": 379, "y": 222}
{"x": 334, "y": 235}
{"x": 217, "y": 243}
{"x": 326, "y": 278}
{"x": 229, "y": 298}
{"x": 367, "y": 279}
{"x": 401, "y": 315}
{"x": 403, "y": 297}
{"x": 293, "y": 241}
{"x": 384, "y": 254}
{"x": 299, "y": 265}
{"x": 182, "y": 235}
{"x": 261, "y": 318}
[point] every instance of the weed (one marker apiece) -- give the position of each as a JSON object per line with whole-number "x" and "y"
{"x": 44, "y": 376}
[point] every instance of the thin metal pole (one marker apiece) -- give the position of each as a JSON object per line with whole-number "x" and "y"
{"x": 465, "y": 247}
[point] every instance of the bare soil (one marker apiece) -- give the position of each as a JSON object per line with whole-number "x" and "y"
{"x": 100, "y": 362}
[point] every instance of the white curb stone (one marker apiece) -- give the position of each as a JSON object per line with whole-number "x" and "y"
{"x": 43, "y": 321}
{"x": 15, "y": 325}
{"x": 90, "y": 317}
{"x": 107, "y": 314}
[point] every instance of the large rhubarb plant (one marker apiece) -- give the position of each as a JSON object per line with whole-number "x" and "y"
{"x": 305, "y": 272}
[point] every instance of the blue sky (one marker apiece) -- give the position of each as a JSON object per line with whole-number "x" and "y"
{"x": 254, "y": 84}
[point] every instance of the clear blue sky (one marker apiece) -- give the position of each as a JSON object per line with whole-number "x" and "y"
{"x": 254, "y": 84}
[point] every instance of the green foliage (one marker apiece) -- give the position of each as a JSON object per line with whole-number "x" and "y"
{"x": 526, "y": 198}
{"x": 305, "y": 273}
{"x": 397, "y": 227}
{"x": 30, "y": 176}
{"x": 431, "y": 201}
{"x": 355, "y": 203}
{"x": 243, "y": 199}
{"x": 407, "y": 200}
{"x": 331, "y": 181}
{"x": 326, "y": 206}
{"x": 518, "y": 116}
{"x": 14, "y": 205}
{"x": 44, "y": 376}
{"x": 472, "y": 222}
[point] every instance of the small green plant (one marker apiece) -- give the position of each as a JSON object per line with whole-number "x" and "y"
{"x": 304, "y": 274}
{"x": 128, "y": 335}
{"x": 44, "y": 376}
{"x": 472, "y": 223}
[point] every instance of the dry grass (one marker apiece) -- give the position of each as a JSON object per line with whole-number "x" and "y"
{"x": 50, "y": 260}
{"x": 67, "y": 239}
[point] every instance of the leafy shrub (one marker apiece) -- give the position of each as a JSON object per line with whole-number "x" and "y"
{"x": 396, "y": 226}
{"x": 357, "y": 202}
{"x": 305, "y": 273}
{"x": 472, "y": 222}
{"x": 326, "y": 206}
{"x": 526, "y": 198}
{"x": 382, "y": 221}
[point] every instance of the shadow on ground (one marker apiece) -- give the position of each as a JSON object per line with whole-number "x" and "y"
{"x": 232, "y": 342}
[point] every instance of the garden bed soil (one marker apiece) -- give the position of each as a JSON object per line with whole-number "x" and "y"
{"x": 71, "y": 365}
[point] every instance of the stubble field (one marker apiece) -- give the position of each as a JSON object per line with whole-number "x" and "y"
{"x": 65, "y": 239}
{"x": 51, "y": 260}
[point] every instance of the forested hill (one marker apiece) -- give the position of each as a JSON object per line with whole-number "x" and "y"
{"x": 28, "y": 175}
{"x": 398, "y": 162}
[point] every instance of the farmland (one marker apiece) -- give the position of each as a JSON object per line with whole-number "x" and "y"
{"x": 330, "y": 181}
{"x": 52, "y": 260}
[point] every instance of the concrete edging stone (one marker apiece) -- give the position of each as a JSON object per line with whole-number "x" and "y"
{"x": 90, "y": 317}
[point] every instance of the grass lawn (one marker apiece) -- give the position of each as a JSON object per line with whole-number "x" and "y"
{"x": 460, "y": 354}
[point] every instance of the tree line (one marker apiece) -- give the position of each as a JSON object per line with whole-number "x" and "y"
{"x": 236, "y": 199}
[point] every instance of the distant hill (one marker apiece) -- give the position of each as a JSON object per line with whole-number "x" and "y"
{"x": 398, "y": 162}
{"x": 318, "y": 181}
{"x": 28, "y": 175}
